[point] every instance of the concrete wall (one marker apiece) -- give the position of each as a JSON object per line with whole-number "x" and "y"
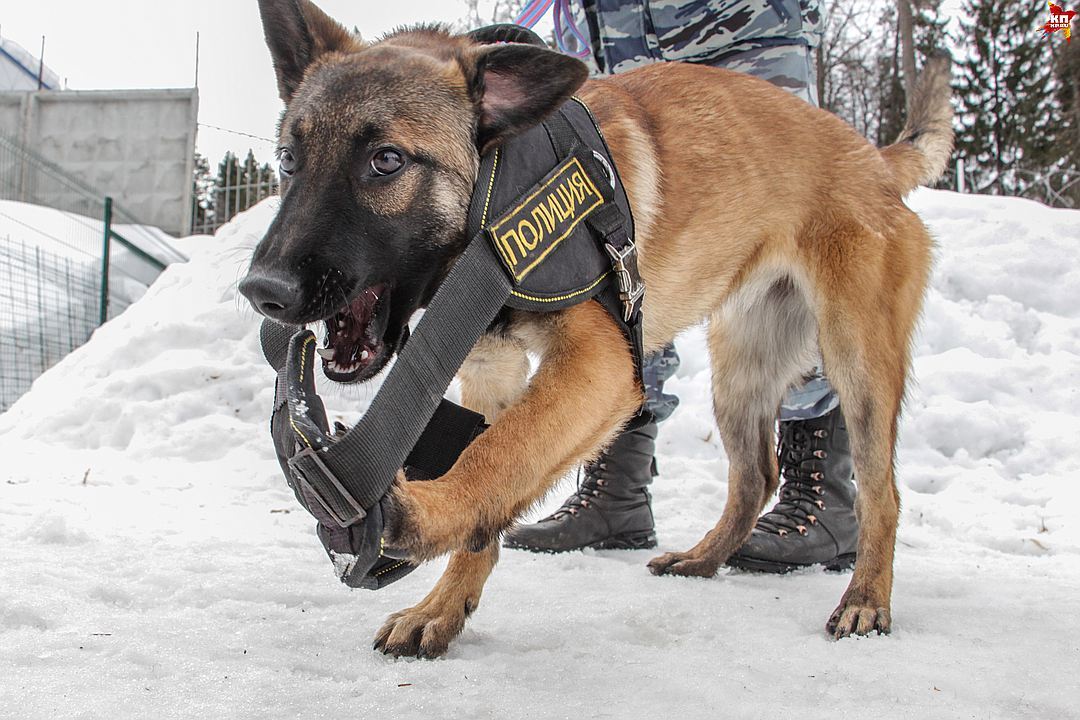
{"x": 136, "y": 145}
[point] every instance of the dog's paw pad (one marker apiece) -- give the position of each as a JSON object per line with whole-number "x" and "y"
{"x": 417, "y": 632}
{"x": 682, "y": 564}
{"x": 858, "y": 619}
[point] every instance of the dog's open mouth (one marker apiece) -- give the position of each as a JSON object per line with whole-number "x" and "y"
{"x": 355, "y": 346}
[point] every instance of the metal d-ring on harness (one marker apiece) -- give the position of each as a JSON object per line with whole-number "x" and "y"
{"x": 550, "y": 227}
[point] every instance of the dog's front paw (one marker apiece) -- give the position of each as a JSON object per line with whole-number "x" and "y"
{"x": 421, "y": 631}
{"x": 859, "y": 615}
{"x": 683, "y": 563}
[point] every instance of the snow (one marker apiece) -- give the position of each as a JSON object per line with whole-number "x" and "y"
{"x": 154, "y": 562}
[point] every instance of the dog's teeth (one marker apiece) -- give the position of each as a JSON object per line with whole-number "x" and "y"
{"x": 326, "y": 353}
{"x": 341, "y": 323}
{"x": 364, "y": 355}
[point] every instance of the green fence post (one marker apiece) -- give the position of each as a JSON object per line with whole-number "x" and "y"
{"x": 104, "y": 314}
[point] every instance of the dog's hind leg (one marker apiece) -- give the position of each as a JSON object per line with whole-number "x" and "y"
{"x": 866, "y": 326}
{"x": 760, "y": 342}
{"x": 492, "y": 378}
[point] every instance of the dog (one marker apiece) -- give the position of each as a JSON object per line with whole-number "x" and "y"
{"x": 769, "y": 219}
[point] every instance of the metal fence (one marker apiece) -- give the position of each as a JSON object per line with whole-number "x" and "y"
{"x": 227, "y": 197}
{"x": 218, "y": 204}
{"x": 48, "y": 306}
{"x": 69, "y": 260}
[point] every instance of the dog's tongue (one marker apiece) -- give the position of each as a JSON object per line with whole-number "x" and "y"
{"x": 349, "y": 341}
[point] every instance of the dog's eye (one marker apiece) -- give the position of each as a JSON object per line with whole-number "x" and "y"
{"x": 286, "y": 162}
{"x": 387, "y": 161}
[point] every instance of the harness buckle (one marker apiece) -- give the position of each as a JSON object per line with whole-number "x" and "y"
{"x": 310, "y": 469}
{"x": 631, "y": 289}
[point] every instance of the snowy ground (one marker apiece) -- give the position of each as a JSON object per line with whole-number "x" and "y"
{"x": 154, "y": 564}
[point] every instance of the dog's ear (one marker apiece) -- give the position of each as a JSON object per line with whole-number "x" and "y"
{"x": 516, "y": 86}
{"x": 297, "y": 33}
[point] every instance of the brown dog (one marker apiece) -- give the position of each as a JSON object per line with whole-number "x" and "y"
{"x": 770, "y": 219}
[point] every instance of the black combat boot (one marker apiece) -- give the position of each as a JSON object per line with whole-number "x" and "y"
{"x": 609, "y": 510}
{"x": 814, "y": 521}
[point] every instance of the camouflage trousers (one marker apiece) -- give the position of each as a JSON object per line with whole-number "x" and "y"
{"x": 625, "y": 34}
{"x": 813, "y": 398}
{"x": 787, "y": 62}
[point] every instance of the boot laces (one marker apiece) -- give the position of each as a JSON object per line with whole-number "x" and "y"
{"x": 799, "y": 455}
{"x": 588, "y": 487}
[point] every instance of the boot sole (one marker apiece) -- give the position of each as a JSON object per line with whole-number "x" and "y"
{"x": 627, "y": 541}
{"x": 624, "y": 541}
{"x": 840, "y": 563}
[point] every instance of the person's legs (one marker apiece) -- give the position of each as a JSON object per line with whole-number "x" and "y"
{"x": 658, "y": 369}
{"x": 611, "y": 507}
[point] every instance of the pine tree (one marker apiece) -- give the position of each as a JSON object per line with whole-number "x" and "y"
{"x": 202, "y": 194}
{"x": 242, "y": 184}
{"x": 250, "y": 177}
{"x": 228, "y": 185}
{"x": 1067, "y": 65}
{"x": 930, "y": 29}
{"x": 892, "y": 99}
{"x": 1005, "y": 92}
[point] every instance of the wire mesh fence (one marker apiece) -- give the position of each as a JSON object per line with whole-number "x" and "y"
{"x": 48, "y": 306}
{"x": 54, "y": 264}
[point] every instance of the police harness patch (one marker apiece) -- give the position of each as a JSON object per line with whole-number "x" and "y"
{"x": 526, "y": 235}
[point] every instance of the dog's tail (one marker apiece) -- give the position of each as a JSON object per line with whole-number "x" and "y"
{"x": 921, "y": 153}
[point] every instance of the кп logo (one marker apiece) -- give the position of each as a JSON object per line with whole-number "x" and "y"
{"x": 1060, "y": 19}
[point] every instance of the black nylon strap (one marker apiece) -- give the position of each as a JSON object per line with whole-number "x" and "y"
{"x": 446, "y": 436}
{"x": 562, "y": 133}
{"x": 607, "y": 219}
{"x": 609, "y": 222}
{"x": 365, "y": 462}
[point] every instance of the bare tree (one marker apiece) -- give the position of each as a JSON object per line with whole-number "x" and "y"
{"x": 479, "y": 13}
{"x": 907, "y": 47}
{"x": 847, "y": 63}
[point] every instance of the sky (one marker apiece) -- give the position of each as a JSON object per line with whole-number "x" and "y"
{"x": 151, "y": 44}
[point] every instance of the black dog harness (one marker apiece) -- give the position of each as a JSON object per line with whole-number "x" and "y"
{"x": 550, "y": 227}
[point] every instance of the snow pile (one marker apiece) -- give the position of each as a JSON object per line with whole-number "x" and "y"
{"x": 178, "y": 373}
{"x": 155, "y": 562}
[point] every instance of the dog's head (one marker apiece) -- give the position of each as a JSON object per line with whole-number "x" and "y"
{"x": 379, "y": 147}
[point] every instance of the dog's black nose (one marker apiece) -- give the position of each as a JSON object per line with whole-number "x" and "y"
{"x": 272, "y": 295}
